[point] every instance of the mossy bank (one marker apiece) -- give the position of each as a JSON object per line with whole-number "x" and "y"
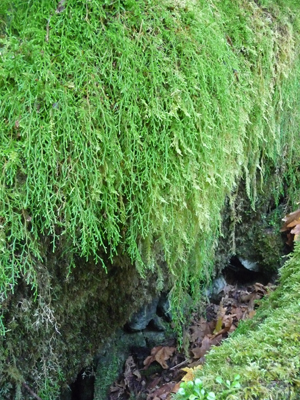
{"x": 124, "y": 128}
{"x": 265, "y": 350}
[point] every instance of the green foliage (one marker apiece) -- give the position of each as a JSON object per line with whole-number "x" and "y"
{"x": 126, "y": 124}
{"x": 194, "y": 390}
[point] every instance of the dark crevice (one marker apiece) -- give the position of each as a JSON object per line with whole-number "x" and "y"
{"x": 83, "y": 387}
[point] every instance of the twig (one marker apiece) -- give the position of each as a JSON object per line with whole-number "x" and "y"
{"x": 31, "y": 391}
{"x": 179, "y": 365}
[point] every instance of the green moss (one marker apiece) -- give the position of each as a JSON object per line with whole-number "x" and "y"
{"x": 124, "y": 126}
{"x": 131, "y": 122}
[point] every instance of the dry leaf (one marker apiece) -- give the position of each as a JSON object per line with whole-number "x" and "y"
{"x": 218, "y": 325}
{"x": 199, "y": 352}
{"x": 199, "y": 331}
{"x": 176, "y": 387}
{"x": 160, "y": 354}
{"x": 292, "y": 220}
{"x": 190, "y": 373}
{"x": 162, "y": 392}
{"x": 163, "y": 355}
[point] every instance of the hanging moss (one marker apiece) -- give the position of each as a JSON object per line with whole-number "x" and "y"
{"x": 129, "y": 122}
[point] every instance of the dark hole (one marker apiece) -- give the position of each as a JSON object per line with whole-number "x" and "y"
{"x": 83, "y": 387}
{"x": 236, "y": 274}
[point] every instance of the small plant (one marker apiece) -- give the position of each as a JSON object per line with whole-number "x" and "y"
{"x": 231, "y": 387}
{"x": 194, "y": 390}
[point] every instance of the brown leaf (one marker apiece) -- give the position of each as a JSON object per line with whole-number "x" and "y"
{"x": 215, "y": 341}
{"x": 160, "y": 354}
{"x": 227, "y": 321}
{"x": 149, "y": 360}
{"x": 296, "y": 232}
{"x": 155, "y": 383}
{"x": 289, "y": 218}
{"x": 238, "y": 312}
{"x": 251, "y": 314}
{"x": 163, "y": 355}
{"x": 199, "y": 330}
{"x": 292, "y": 220}
{"x": 199, "y": 352}
{"x": 162, "y": 392}
{"x": 176, "y": 387}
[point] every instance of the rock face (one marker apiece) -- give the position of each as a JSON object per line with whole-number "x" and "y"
{"x": 78, "y": 323}
{"x": 149, "y": 315}
{"x": 252, "y": 235}
{"x": 144, "y": 330}
{"x": 141, "y": 319}
{"x": 77, "y": 319}
{"x": 69, "y": 323}
{"x": 110, "y": 361}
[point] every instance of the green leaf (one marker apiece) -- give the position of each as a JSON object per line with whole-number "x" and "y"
{"x": 211, "y": 396}
{"x": 219, "y": 380}
{"x": 198, "y": 382}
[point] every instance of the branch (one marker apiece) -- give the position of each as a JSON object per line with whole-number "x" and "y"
{"x": 31, "y": 391}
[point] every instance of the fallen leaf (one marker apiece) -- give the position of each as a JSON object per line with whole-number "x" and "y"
{"x": 218, "y": 325}
{"x": 237, "y": 311}
{"x": 163, "y": 355}
{"x": 190, "y": 373}
{"x": 199, "y": 330}
{"x": 292, "y": 220}
{"x": 162, "y": 392}
{"x": 176, "y": 387}
{"x": 296, "y": 232}
{"x": 199, "y": 352}
{"x": 160, "y": 354}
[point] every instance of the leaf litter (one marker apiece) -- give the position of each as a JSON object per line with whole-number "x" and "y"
{"x": 160, "y": 374}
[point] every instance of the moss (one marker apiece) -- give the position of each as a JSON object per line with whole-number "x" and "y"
{"x": 49, "y": 340}
{"x": 144, "y": 114}
{"x": 124, "y": 126}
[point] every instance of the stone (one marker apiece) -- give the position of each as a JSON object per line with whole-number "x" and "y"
{"x": 250, "y": 265}
{"x": 216, "y": 288}
{"x": 164, "y": 308}
{"x": 141, "y": 319}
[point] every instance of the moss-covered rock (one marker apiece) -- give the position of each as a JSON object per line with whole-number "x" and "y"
{"x": 50, "y": 339}
{"x": 124, "y": 127}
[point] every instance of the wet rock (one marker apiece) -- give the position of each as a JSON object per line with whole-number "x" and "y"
{"x": 214, "y": 292}
{"x": 251, "y": 265}
{"x": 163, "y": 307}
{"x": 140, "y": 320}
{"x": 110, "y": 362}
